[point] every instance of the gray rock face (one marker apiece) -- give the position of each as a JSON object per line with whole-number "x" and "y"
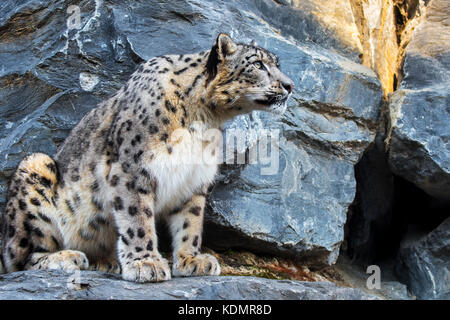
{"x": 419, "y": 110}
{"x": 48, "y": 72}
{"x": 419, "y": 146}
{"x": 424, "y": 264}
{"x": 53, "y": 74}
{"x": 52, "y": 285}
{"x": 393, "y": 290}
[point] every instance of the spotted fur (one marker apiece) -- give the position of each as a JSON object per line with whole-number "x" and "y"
{"x": 94, "y": 205}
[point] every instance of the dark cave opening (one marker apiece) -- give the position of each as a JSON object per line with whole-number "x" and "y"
{"x": 387, "y": 211}
{"x": 415, "y": 213}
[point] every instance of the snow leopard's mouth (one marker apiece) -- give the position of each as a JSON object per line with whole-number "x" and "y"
{"x": 274, "y": 104}
{"x": 279, "y": 107}
{"x": 270, "y": 100}
{"x": 266, "y": 102}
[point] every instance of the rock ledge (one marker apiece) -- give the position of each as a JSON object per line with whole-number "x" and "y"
{"x": 55, "y": 284}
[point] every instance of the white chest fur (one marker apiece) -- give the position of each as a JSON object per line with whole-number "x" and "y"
{"x": 190, "y": 166}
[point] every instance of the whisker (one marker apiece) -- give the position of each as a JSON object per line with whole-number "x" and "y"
{"x": 234, "y": 100}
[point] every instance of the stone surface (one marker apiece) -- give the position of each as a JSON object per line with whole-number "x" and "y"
{"x": 377, "y": 27}
{"x": 423, "y": 264}
{"x": 376, "y": 30}
{"x": 419, "y": 148}
{"x": 298, "y": 211}
{"x": 52, "y": 285}
{"x": 355, "y": 275}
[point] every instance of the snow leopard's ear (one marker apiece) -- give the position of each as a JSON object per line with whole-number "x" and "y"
{"x": 253, "y": 43}
{"x": 222, "y": 48}
{"x": 225, "y": 46}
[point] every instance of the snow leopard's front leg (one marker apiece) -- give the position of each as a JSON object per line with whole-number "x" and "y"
{"x": 133, "y": 205}
{"x": 186, "y": 227}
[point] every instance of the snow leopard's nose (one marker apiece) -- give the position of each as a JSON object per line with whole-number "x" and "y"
{"x": 285, "y": 82}
{"x": 289, "y": 86}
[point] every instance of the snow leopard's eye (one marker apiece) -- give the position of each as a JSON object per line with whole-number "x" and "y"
{"x": 258, "y": 65}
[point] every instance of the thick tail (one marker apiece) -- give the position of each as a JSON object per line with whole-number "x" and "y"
{"x": 27, "y": 219}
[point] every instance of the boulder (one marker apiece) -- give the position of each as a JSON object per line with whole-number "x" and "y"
{"x": 91, "y": 285}
{"x": 419, "y": 114}
{"x": 423, "y": 264}
{"x": 419, "y": 149}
